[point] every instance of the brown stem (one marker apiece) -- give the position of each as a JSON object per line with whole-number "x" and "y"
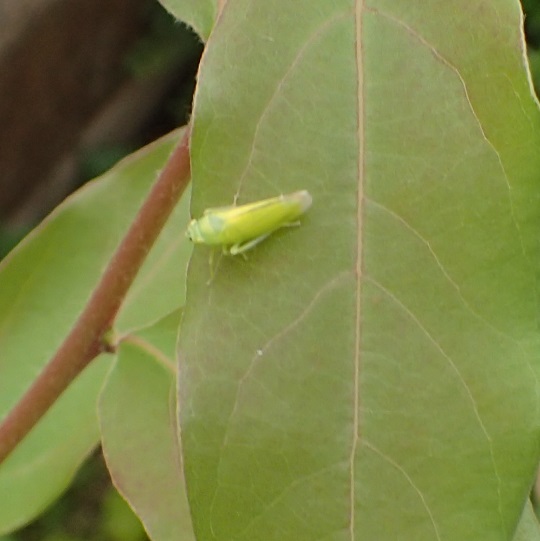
{"x": 84, "y": 342}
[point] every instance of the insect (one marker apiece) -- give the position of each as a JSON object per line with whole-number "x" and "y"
{"x": 238, "y": 229}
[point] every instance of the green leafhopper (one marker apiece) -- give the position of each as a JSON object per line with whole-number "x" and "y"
{"x": 238, "y": 229}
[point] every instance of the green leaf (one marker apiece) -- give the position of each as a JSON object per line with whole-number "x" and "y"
{"x": 160, "y": 287}
{"x": 118, "y": 521}
{"x": 372, "y": 374}
{"x": 140, "y": 439}
{"x": 45, "y": 462}
{"x": 199, "y": 14}
{"x": 44, "y": 284}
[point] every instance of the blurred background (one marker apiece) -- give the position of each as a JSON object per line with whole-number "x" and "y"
{"x": 532, "y": 31}
{"x": 82, "y": 84}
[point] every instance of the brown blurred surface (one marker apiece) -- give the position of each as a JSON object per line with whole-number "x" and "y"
{"x": 59, "y": 61}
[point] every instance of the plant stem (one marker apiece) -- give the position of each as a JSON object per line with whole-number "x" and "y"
{"x": 85, "y": 340}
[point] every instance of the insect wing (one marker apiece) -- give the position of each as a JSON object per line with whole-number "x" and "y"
{"x": 262, "y": 217}
{"x": 231, "y": 225}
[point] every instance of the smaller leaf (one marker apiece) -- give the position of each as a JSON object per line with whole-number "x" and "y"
{"x": 528, "y": 528}
{"x": 44, "y": 463}
{"x": 137, "y": 412}
{"x": 160, "y": 286}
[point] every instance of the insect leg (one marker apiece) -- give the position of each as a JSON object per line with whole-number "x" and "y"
{"x": 292, "y": 224}
{"x": 241, "y": 248}
{"x": 213, "y": 264}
